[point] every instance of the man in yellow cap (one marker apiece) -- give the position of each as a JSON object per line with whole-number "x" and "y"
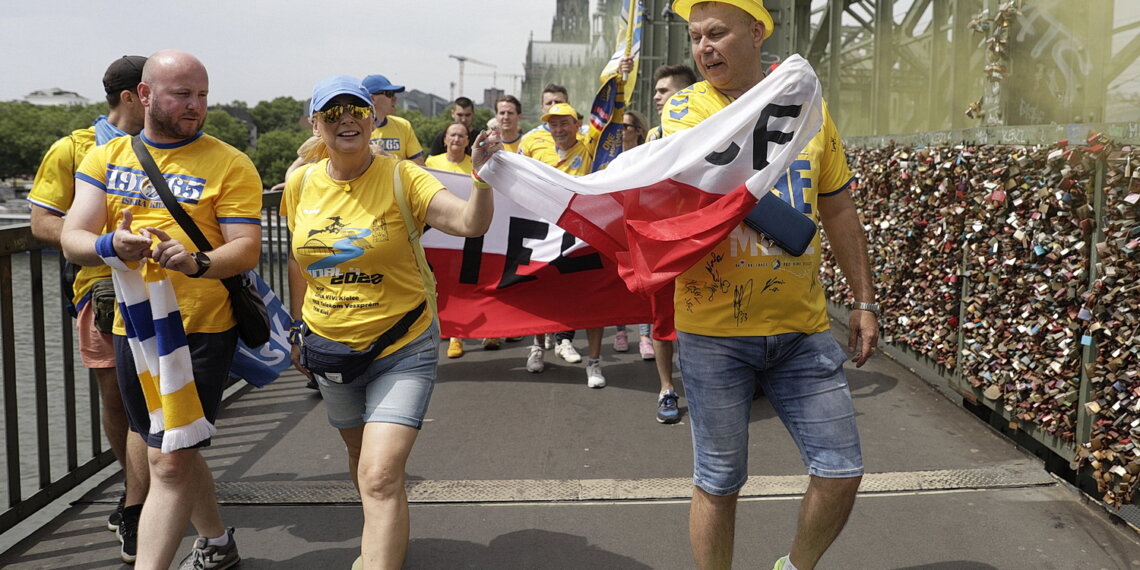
{"x": 570, "y": 154}
{"x": 751, "y": 315}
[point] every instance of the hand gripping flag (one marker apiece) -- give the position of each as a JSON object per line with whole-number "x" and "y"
{"x": 608, "y": 109}
{"x": 658, "y": 208}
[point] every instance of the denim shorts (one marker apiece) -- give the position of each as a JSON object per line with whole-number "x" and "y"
{"x": 395, "y": 389}
{"x": 802, "y": 376}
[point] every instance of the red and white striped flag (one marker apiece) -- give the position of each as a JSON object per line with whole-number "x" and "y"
{"x": 660, "y": 207}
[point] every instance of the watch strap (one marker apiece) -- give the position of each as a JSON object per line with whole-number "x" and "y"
{"x": 869, "y": 307}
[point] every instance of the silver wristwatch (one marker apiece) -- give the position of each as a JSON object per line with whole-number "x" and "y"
{"x": 870, "y": 307}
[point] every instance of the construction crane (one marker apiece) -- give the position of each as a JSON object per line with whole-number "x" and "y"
{"x": 464, "y": 59}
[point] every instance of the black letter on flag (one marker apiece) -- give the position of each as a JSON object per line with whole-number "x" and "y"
{"x": 472, "y": 260}
{"x": 762, "y": 137}
{"x": 575, "y": 264}
{"x": 517, "y": 253}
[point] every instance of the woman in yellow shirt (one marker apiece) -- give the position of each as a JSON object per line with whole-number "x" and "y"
{"x": 355, "y": 279}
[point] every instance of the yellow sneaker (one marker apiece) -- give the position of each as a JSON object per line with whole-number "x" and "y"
{"x": 455, "y": 348}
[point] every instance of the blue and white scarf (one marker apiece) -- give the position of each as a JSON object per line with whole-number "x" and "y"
{"x": 149, "y": 308}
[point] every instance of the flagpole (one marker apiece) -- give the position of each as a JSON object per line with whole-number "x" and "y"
{"x": 630, "y": 17}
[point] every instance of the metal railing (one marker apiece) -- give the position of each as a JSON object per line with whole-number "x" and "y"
{"x": 60, "y": 416}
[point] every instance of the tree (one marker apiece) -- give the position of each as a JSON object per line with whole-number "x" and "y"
{"x": 425, "y": 127}
{"x": 26, "y": 132}
{"x": 281, "y": 113}
{"x": 275, "y": 151}
{"x": 225, "y": 127}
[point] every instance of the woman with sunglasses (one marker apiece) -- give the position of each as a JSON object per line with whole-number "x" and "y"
{"x": 355, "y": 278}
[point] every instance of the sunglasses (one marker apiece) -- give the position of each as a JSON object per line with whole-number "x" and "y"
{"x": 334, "y": 113}
{"x": 386, "y": 93}
{"x": 629, "y": 126}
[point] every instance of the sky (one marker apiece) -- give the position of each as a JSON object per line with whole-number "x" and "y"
{"x": 257, "y": 50}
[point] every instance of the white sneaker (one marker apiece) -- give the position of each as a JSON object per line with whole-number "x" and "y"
{"x": 594, "y": 378}
{"x": 534, "y": 362}
{"x": 565, "y": 350}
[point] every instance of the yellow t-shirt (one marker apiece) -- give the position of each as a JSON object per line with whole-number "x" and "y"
{"x": 352, "y": 247}
{"x": 513, "y": 146}
{"x": 54, "y": 189}
{"x": 214, "y": 182}
{"x": 440, "y": 162}
{"x": 397, "y": 137}
{"x": 744, "y": 287}
{"x": 539, "y": 145}
{"x": 537, "y": 137}
{"x": 576, "y": 162}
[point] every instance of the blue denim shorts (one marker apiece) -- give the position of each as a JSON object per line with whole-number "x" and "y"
{"x": 802, "y": 376}
{"x": 395, "y": 389}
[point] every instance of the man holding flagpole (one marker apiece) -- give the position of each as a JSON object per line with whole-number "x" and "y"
{"x": 771, "y": 326}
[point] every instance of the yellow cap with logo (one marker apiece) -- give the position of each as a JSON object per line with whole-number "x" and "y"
{"x": 560, "y": 109}
{"x": 755, "y": 8}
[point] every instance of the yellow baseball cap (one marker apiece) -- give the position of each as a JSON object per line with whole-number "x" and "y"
{"x": 754, "y": 7}
{"x": 563, "y": 109}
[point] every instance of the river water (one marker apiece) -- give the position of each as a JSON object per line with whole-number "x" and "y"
{"x": 25, "y": 381}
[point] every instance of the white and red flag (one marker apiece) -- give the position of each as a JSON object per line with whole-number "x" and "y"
{"x": 658, "y": 208}
{"x": 524, "y": 276}
{"x": 651, "y": 214}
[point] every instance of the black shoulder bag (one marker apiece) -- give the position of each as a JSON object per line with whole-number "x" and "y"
{"x": 249, "y": 308}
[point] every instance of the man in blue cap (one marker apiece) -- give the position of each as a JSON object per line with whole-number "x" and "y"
{"x": 393, "y": 135}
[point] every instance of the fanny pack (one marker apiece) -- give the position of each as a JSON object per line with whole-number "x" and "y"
{"x": 341, "y": 364}
{"x": 103, "y": 304}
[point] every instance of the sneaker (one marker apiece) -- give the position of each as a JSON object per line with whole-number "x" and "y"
{"x": 667, "y": 412}
{"x": 205, "y": 556}
{"x": 491, "y": 344}
{"x": 116, "y": 515}
{"x": 621, "y": 341}
{"x": 784, "y": 563}
{"x": 548, "y": 341}
{"x": 565, "y": 350}
{"x": 645, "y": 347}
{"x": 128, "y": 533}
{"x": 594, "y": 378}
{"x": 534, "y": 362}
{"x": 514, "y": 338}
{"x": 455, "y": 348}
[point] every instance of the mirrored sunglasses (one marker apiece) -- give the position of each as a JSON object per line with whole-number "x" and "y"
{"x": 334, "y": 113}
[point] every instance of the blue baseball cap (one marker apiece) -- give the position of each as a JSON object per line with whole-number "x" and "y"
{"x": 334, "y": 85}
{"x": 377, "y": 83}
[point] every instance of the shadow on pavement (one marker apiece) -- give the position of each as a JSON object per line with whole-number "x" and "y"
{"x": 521, "y": 549}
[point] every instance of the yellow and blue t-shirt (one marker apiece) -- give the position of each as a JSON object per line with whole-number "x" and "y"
{"x": 214, "y": 182}
{"x": 54, "y": 189}
{"x": 396, "y": 136}
{"x": 351, "y": 244}
{"x": 745, "y": 286}
{"x": 440, "y": 162}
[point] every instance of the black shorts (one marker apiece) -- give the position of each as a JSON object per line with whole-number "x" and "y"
{"x": 210, "y": 355}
